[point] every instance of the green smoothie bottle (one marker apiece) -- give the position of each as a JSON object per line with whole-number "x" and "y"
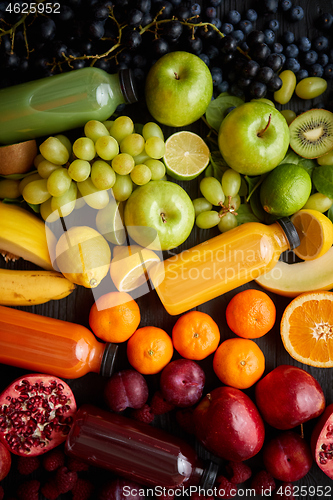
{"x": 62, "y": 102}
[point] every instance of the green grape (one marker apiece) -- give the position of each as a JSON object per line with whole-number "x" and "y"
{"x": 206, "y": 220}
{"x": 9, "y": 188}
{"x": 53, "y": 150}
{"x": 80, "y": 202}
{"x": 45, "y": 168}
{"x": 102, "y": 175}
{"x": 95, "y": 198}
{"x": 201, "y": 205}
{"x": 326, "y": 159}
{"x": 227, "y": 221}
{"x": 310, "y": 87}
{"x": 155, "y": 147}
{"x": 231, "y": 181}
{"x": 151, "y": 129}
{"x": 65, "y": 141}
{"x": 79, "y": 170}
{"x": 121, "y": 127}
{"x": 318, "y": 201}
{"x": 157, "y": 169}
{"x": 95, "y": 129}
{"x": 141, "y": 174}
{"x": 123, "y": 164}
{"x": 284, "y": 94}
{"x": 141, "y": 158}
{"x": 58, "y": 182}
{"x": 84, "y": 149}
{"x": 36, "y": 192}
{"x": 47, "y": 213}
{"x": 211, "y": 189}
{"x": 65, "y": 204}
{"x": 289, "y": 115}
{"x": 27, "y": 179}
{"x": 235, "y": 202}
{"x": 107, "y": 147}
{"x": 108, "y": 124}
{"x": 122, "y": 188}
{"x": 38, "y": 159}
{"x": 132, "y": 144}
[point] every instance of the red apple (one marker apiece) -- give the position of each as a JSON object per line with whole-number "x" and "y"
{"x": 229, "y": 425}
{"x": 322, "y": 442}
{"x": 289, "y": 396}
{"x": 287, "y": 457}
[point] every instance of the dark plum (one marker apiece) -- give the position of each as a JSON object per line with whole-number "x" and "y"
{"x": 126, "y": 389}
{"x": 182, "y": 382}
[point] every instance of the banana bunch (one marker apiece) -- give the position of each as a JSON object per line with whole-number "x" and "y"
{"x": 28, "y": 288}
{"x": 23, "y": 234}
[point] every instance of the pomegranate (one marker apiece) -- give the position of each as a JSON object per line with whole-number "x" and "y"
{"x": 36, "y": 412}
{"x": 5, "y": 461}
{"x": 322, "y": 442}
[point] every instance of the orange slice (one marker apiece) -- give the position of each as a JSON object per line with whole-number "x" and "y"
{"x": 307, "y": 329}
{"x": 315, "y": 231}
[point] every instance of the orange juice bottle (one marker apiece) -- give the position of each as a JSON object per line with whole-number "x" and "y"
{"x": 221, "y": 264}
{"x": 49, "y": 345}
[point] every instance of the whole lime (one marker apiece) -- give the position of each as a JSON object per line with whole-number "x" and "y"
{"x": 285, "y": 190}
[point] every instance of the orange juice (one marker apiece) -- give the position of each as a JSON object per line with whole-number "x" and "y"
{"x": 221, "y": 264}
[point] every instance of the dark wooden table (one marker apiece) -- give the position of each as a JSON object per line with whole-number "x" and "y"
{"x": 76, "y": 307}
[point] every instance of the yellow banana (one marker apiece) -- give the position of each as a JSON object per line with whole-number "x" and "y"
{"x": 23, "y": 234}
{"x": 28, "y": 288}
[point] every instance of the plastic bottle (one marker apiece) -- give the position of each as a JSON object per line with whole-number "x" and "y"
{"x": 53, "y": 346}
{"x": 221, "y": 264}
{"x": 136, "y": 450}
{"x": 62, "y": 102}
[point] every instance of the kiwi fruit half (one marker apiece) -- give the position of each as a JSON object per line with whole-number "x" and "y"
{"x": 311, "y": 133}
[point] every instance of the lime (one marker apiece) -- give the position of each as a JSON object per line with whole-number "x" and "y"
{"x": 186, "y": 155}
{"x": 285, "y": 190}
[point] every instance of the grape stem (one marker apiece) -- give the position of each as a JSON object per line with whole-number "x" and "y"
{"x": 162, "y": 214}
{"x": 227, "y": 208}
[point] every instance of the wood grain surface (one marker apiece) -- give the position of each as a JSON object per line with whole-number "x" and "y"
{"x": 76, "y": 307}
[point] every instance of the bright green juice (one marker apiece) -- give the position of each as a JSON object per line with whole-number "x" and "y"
{"x": 58, "y": 103}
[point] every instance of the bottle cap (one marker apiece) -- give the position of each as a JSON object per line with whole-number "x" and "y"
{"x": 290, "y": 232}
{"x": 209, "y": 476}
{"x": 108, "y": 360}
{"x": 127, "y": 84}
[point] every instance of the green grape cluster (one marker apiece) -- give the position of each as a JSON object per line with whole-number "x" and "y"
{"x": 111, "y": 159}
{"x": 222, "y": 194}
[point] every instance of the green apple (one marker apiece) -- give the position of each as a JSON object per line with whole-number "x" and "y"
{"x": 159, "y": 215}
{"x": 179, "y": 88}
{"x": 253, "y": 138}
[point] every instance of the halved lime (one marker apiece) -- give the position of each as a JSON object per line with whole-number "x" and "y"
{"x": 186, "y": 155}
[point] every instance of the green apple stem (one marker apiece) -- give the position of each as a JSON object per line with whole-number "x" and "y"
{"x": 261, "y": 133}
{"x": 162, "y": 214}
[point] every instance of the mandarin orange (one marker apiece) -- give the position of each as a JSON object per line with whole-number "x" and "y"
{"x": 149, "y": 350}
{"x": 114, "y": 317}
{"x": 251, "y": 314}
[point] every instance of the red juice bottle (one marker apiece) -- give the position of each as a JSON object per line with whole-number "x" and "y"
{"x": 135, "y": 450}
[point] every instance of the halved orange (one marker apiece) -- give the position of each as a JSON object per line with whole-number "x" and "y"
{"x": 315, "y": 231}
{"x": 307, "y": 328}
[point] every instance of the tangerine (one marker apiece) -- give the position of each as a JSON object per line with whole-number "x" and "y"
{"x": 195, "y": 335}
{"x": 251, "y": 314}
{"x": 149, "y": 350}
{"x": 114, "y": 317}
{"x": 239, "y": 363}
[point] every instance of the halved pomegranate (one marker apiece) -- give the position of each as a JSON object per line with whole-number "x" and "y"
{"x": 322, "y": 442}
{"x": 36, "y": 412}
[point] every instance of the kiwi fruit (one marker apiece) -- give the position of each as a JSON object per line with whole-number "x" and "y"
{"x": 311, "y": 133}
